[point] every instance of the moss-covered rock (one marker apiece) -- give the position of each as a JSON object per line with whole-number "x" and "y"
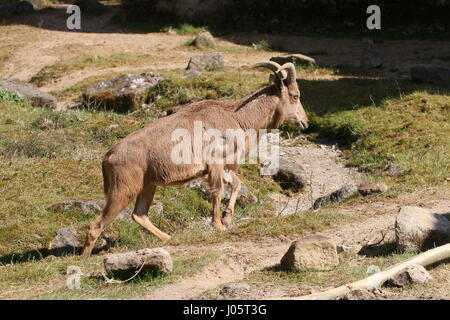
{"x": 122, "y": 93}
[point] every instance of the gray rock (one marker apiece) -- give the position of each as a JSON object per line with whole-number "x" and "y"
{"x": 430, "y": 73}
{"x": 371, "y": 57}
{"x": 209, "y": 61}
{"x": 122, "y": 93}
{"x": 335, "y": 196}
{"x": 415, "y": 274}
{"x": 125, "y": 265}
{"x": 205, "y": 40}
{"x": 297, "y": 59}
{"x": 240, "y": 289}
{"x": 88, "y": 207}
{"x": 191, "y": 74}
{"x": 16, "y": 8}
{"x": 372, "y": 188}
{"x": 393, "y": 170}
{"x": 37, "y": 97}
{"x": 417, "y": 229}
{"x": 315, "y": 252}
{"x": 65, "y": 242}
{"x": 290, "y": 176}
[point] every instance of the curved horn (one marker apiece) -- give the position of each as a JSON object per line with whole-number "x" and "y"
{"x": 291, "y": 72}
{"x": 272, "y": 66}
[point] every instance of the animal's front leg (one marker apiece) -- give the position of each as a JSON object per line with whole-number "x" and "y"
{"x": 217, "y": 214}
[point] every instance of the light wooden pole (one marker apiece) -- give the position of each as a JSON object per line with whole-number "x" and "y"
{"x": 376, "y": 280}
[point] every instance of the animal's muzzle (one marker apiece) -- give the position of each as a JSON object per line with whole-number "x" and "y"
{"x": 303, "y": 125}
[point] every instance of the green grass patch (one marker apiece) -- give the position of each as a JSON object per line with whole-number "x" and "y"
{"x": 14, "y": 98}
{"x": 411, "y": 131}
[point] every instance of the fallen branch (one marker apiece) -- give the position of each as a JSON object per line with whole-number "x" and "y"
{"x": 376, "y": 280}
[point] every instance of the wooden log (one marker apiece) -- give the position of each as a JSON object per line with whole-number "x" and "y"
{"x": 376, "y": 280}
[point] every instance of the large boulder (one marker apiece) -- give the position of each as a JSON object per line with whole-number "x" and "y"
{"x": 316, "y": 252}
{"x": 296, "y": 59}
{"x": 414, "y": 274}
{"x": 208, "y": 61}
{"x": 290, "y": 176}
{"x": 205, "y": 40}
{"x": 122, "y": 93}
{"x": 417, "y": 229}
{"x": 430, "y": 73}
{"x": 125, "y": 265}
{"x": 37, "y": 97}
{"x": 87, "y": 207}
{"x": 65, "y": 242}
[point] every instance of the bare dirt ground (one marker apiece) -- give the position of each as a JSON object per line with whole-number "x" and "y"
{"x": 324, "y": 169}
{"x": 238, "y": 259}
{"x": 44, "y": 42}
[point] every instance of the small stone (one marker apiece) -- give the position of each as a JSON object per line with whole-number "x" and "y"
{"x": 350, "y": 249}
{"x": 416, "y": 229}
{"x": 372, "y": 269}
{"x": 66, "y": 242}
{"x": 125, "y": 265}
{"x": 372, "y": 188}
{"x": 361, "y": 294}
{"x": 205, "y": 40}
{"x": 393, "y": 170}
{"x": 209, "y": 62}
{"x": 414, "y": 274}
{"x": 235, "y": 289}
{"x": 315, "y": 252}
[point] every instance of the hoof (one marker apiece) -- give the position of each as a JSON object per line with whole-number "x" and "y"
{"x": 226, "y": 221}
{"x": 227, "y": 216}
{"x": 219, "y": 227}
{"x": 164, "y": 237}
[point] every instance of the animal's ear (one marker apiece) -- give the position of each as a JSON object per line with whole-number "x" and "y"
{"x": 278, "y": 78}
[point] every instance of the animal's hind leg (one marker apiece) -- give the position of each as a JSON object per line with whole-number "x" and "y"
{"x": 143, "y": 202}
{"x": 112, "y": 208}
{"x": 215, "y": 177}
{"x": 235, "y": 188}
